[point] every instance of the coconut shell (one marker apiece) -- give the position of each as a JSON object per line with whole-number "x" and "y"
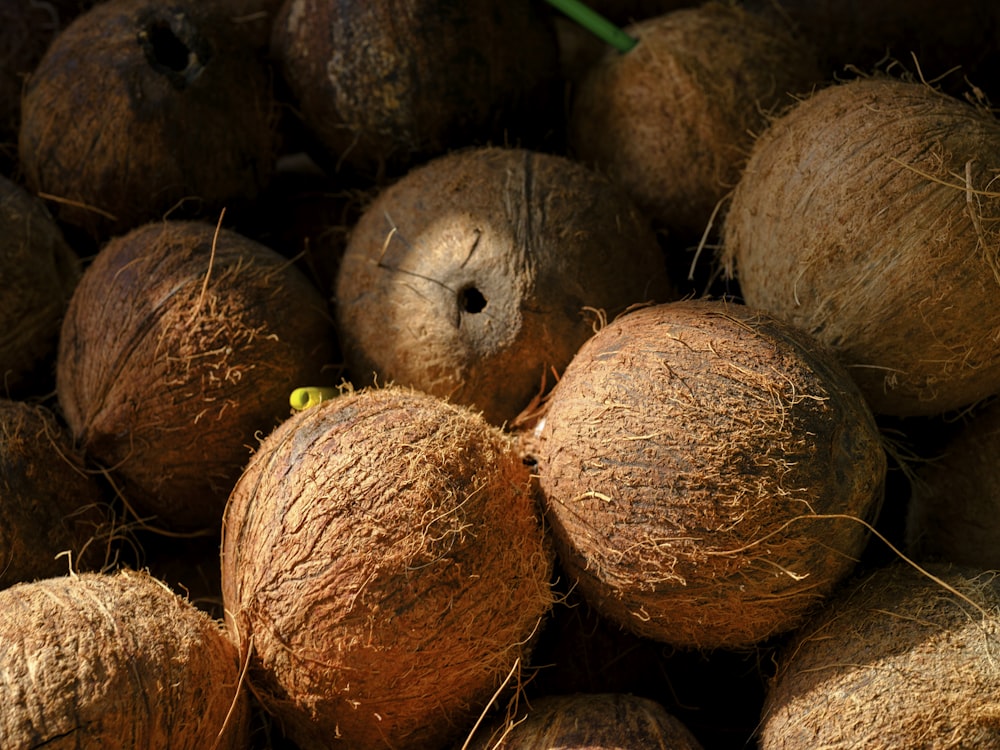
{"x": 673, "y": 119}
{"x": 479, "y": 274}
{"x": 114, "y": 661}
{"x": 139, "y": 110}
{"x": 896, "y": 660}
{"x": 384, "y": 567}
{"x": 706, "y": 471}
{"x": 177, "y": 349}
{"x": 39, "y": 272}
{"x": 857, "y": 189}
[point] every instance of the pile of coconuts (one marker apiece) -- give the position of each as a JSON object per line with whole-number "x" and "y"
{"x": 436, "y": 375}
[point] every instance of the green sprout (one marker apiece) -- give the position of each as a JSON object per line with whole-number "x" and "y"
{"x": 596, "y": 24}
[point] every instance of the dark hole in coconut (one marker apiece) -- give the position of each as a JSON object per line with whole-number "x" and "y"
{"x": 168, "y": 50}
{"x": 174, "y": 48}
{"x": 471, "y": 300}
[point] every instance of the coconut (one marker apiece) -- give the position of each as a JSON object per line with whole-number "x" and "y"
{"x": 53, "y": 516}
{"x": 590, "y": 721}
{"x": 386, "y": 84}
{"x": 901, "y": 658}
{"x": 672, "y": 120}
{"x": 139, "y": 109}
{"x": 859, "y": 188}
{"x": 707, "y": 473}
{"x": 383, "y": 569}
{"x": 115, "y": 660}
{"x": 40, "y": 271}
{"x": 478, "y": 274}
{"x": 181, "y": 342}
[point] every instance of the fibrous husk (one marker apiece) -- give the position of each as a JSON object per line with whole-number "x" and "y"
{"x": 179, "y": 346}
{"x": 480, "y": 273}
{"x": 673, "y": 119}
{"x": 707, "y": 473}
{"x": 897, "y": 659}
{"x": 384, "y": 569}
{"x": 867, "y": 216}
{"x": 97, "y": 661}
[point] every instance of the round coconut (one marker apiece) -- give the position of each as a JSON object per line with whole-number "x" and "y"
{"x": 707, "y": 471}
{"x": 139, "y": 109}
{"x": 386, "y": 84}
{"x": 478, "y": 274}
{"x": 865, "y": 216}
{"x": 39, "y": 271}
{"x": 53, "y": 516}
{"x": 181, "y": 342}
{"x": 385, "y": 569}
{"x": 673, "y": 119}
{"x": 901, "y": 658}
{"x": 590, "y": 721}
{"x": 115, "y": 661}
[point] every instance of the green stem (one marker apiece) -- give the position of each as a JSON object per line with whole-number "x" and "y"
{"x": 595, "y": 23}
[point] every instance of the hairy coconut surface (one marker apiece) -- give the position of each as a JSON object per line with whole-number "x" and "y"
{"x": 867, "y": 216}
{"x": 115, "y": 660}
{"x": 53, "y": 516}
{"x": 898, "y": 659}
{"x": 39, "y": 272}
{"x": 139, "y": 109}
{"x": 704, "y": 467}
{"x": 479, "y": 273}
{"x": 180, "y": 345}
{"x": 384, "y": 569}
{"x": 590, "y": 721}
{"x": 386, "y": 84}
{"x": 673, "y": 119}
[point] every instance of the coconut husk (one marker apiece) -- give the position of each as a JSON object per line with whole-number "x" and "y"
{"x": 865, "y": 216}
{"x": 115, "y": 660}
{"x": 708, "y": 473}
{"x": 384, "y": 570}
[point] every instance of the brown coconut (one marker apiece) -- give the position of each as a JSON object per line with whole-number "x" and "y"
{"x": 478, "y": 274}
{"x": 139, "y": 109}
{"x": 39, "y": 272}
{"x": 866, "y": 217}
{"x": 53, "y": 515}
{"x": 673, "y": 119}
{"x": 384, "y": 569}
{"x": 707, "y": 471}
{"x": 177, "y": 348}
{"x": 115, "y": 661}
{"x": 898, "y": 659}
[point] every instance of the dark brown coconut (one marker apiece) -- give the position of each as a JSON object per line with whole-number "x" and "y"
{"x": 39, "y": 272}
{"x": 672, "y": 120}
{"x": 139, "y": 109}
{"x": 53, "y": 516}
{"x": 866, "y": 216}
{"x": 704, "y": 468}
{"x": 590, "y": 721}
{"x": 896, "y": 660}
{"x": 115, "y": 660}
{"x": 176, "y": 350}
{"x": 480, "y": 273}
{"x": 384, "y": 568}
{"x": 386, "y": 84}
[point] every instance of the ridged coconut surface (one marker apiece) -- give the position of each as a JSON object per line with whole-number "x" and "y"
{"x": 385, "y": 568}
{"x": 866, "y": 216}
{"x": 896, "y": 660}
{"x": 115, "y": 661}
{"x": 701, "y": 463}
{"x": 178, "y": 347}
{"x": 481, "y": 272}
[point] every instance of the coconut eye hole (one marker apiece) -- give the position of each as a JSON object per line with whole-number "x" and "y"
{"x": 168, "y": 50}
{"x": 471, "y": 300}
{"x": 174, "y": 48}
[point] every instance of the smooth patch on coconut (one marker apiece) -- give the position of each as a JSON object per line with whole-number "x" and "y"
{"x": 902, "y": 657}
{"x": 707, "y": 473}
{"x": 181, "y": 343}
{"x": 115, "y": 660}
{"x": 384, "y": 569}
{"x": 867, "y": 216}
{"x": 479, "y": 274}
